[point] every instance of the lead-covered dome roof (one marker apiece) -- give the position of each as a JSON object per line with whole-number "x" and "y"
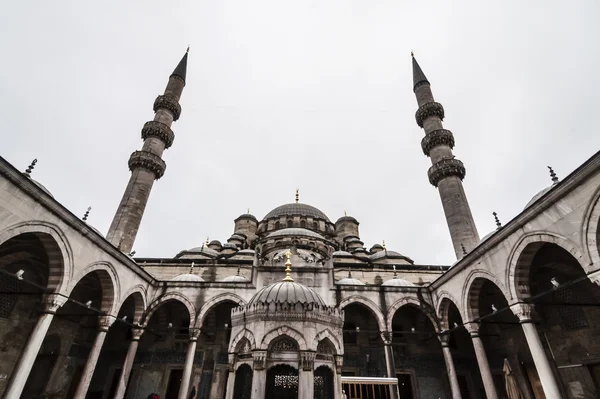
{"x": 287, "y": 292}
{"x": 295, "y": 231}
{"x": 297, "y": 209}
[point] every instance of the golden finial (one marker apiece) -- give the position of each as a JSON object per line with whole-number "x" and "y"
{"x": 188, "y": 50}
{"x": 297, "y": 196}
{"x": 248, "y": 211}
{"x": 206, "y": 241}
{"x": 412, "y": 54}
{"x": 383, "y": 245}
{"x": 288, "y": 267}
{"x": 192, "y": 268}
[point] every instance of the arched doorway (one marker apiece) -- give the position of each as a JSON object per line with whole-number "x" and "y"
{"x": 324, "y": 388}
{"x": 243, "y": 382}
{"x": 282, "y": 382}
{"x": 363, "y": 348}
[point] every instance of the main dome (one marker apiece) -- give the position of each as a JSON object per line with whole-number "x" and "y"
{"x": 296, "y": 209}
{"x": 287, "y": 292}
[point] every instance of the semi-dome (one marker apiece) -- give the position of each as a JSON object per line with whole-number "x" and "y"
{"x": 347, "y": 218}
{"x": 296, "y": 209}
{"x": 295, "y": 231}
{"x": 287, "y": 292}
{"x": 187, "y": 277}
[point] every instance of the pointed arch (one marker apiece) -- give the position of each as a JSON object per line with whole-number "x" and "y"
{"x": 171, "y": 296}
{"x": 443, "y": 306}
{"x": 409, "y": 301}
{"x": 214, "y": 301}
{"x": 521, "y": 257}
{"x": 138, "y": 294}
{"x": 332, "y": 338}
{"x": 589, "y": 234}
{"x": 283, "y": 330}
{"x": 109, "y": 282}
{"x": 58, "y": 249}
{"x": 472, "y": 290}
{"x": 376, "y": 310}
{"x": 244, "y": 334}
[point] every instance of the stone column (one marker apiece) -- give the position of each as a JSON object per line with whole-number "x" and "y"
{"x": 128, "y": 363}
{"x": 189, "y": 363}
{"x": 551, "y": 389}
{"x": 444, "y": 339}
{"x": 34, "y": 343}
{"x": 306, "y": 377}
{"x": 259, "y": 375}
{"x": 230, "y": 381}
{"x": 484, "y": 366}
{"x": 104, "y": 323}
{"x": 339, "y": 362}
{"x": 390, "y": 365}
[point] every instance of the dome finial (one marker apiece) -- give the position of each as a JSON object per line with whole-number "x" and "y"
{"x": 383, "y": 245}
{"x": 87, "y": 213}
{"x": 412, "y": 54}
{"x": 345, "y": 213}
{"x": 288, "y": 267}
{"x": 206, "y": 243}
{"x": 30, "y": 168}
{"x": 395, "y": 272}
{"x": 297, "y": 196}
{"x": 192, "y": 268}
{"x": 498, "y": 224}
{"x": 553, "y": 175}
{"x": 463, "y": 248}
{"x": 248, "y": 211}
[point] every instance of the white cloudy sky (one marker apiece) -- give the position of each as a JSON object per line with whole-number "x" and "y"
{"x": 309, "y": 94}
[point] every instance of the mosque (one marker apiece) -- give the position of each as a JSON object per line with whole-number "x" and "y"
{"x": 294, "y": 304}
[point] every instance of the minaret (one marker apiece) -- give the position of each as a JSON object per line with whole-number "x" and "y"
{"x": 446, "y": 172}
{"x": 147, "y": 165}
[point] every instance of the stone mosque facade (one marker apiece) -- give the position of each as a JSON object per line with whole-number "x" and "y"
{"x": 295, "y": 305}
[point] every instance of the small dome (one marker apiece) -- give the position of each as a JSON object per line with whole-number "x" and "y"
{"x": 215, "y": 242}
{"x": 187, "y": 277}
{"x": 349, "y": 281}
{"x": 488, "y": 235}
{"x": 347, "y": 219}
{"x": 246, "y": 216}
{"x": 538, "y": 196}
{"x": 342, "y": 253}
{"x": 229, "y": 245}
{"x": 44, "y": 189}
{"x": 238, "y": 236}
{"x": 236, "y": 279}
{"x": 376, "y": 248}
{"x": 296, "y": 209}
{"x": 386, "y": 253}
{"x": 287, "y": 292}
{"x": 249, "y": 252}
{"x": 295, "y": 231}
{"x": 204, "y": 250}
{"x": 398, "y": 282}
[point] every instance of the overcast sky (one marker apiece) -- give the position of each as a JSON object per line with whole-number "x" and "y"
{"x": 315, "y": 95}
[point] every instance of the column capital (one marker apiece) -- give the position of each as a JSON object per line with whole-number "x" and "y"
{"x": 136, "y": 333}
{"x": 339, "y": 362}
{"x": 260, "y": 359}
{"x": 307, "y": 360}
{"x": 595, "y": 278}
{"x": 445, "y": 340}
{"x": 53, "y": 302}
{"x": 194, "y": 334}
{"x": 104, "y": 322}
{"x": 473, "y": 329}
{"x": 523, "y": 311}
{"x": 386, "y": 337}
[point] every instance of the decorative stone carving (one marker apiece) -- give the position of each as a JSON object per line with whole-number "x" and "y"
{"x": 147, "y": 160}
{"x": 445, "y": 168}
{"x": 473, "y": 329}
{"x": 170, "y": 103}
{"x": 160, "y": 131}
{"x": 523, "y": 311}
{"x": 284, "y": 345}
{"x": 596, "y": 278}
{"x": 136, "y": 333}
{"x": 435, "y": 138}
{"x": 444, "y": 339}
{"x": 53, "y": 302}
{"x": 307, "y": 360}
{"x": 231, "y": 362}
{"x": 260, "y": 359}
{"x": 523, "y": 290}
{"x": 429, "y": 109}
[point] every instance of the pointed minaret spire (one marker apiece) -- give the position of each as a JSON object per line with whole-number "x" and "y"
{"x": 498, "y": 224}
{"x": 553, "y": 175}
{"x": 87, "y": 213}
{"x": 446, "y": 172}
{"x": 147, "y": 165}
{"x": 419, "y": 77}
{"x": 30, "y": 168}
{"x": 181, "y": 69}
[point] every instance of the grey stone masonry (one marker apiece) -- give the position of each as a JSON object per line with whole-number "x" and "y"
{"x": 147, "y": 165}
{"x": 446, "y": 172}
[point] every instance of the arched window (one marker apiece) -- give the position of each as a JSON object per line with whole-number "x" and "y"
{"x": 289, "y": 223}
{"x": 323, "y": 388}
{"x": 242, "y": 388}
{"x": 277, "y": 225}
{"x": 316, "y": 225}
{"x": 325, "y": 350}
{"x": 303, "y": 224}
{"x": 284, "y": 344}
